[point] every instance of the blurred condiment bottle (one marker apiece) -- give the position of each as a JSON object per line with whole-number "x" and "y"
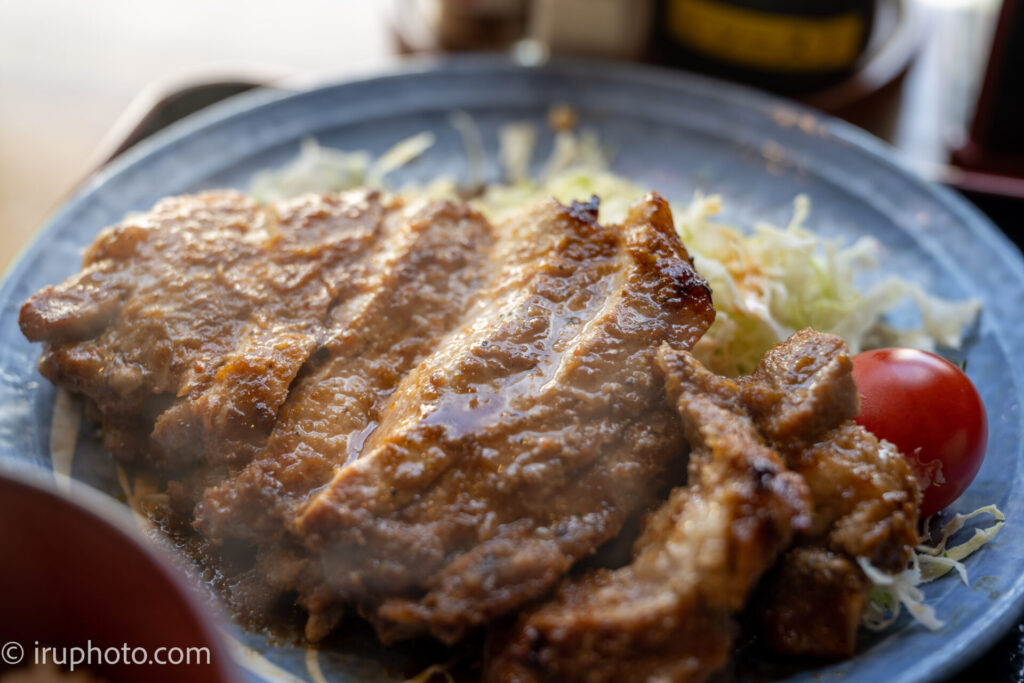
{"x": 601, "y": 28}
{"x": 597, "y": 28}
{"x": 787, "y": 45}
{"x": 480, "y": 24}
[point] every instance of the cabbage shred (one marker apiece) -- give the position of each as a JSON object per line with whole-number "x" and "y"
{"x": 890, "y": 592}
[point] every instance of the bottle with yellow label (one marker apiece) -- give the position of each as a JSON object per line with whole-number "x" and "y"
{"x": 788, "y": 45}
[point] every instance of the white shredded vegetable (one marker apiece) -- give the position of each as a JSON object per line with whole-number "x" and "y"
{"x": 431, "y": 672}
{"x": 398, "y": 156}
{"x": 517, "y": 141}
{"x": 473, "y": 143}
{"x": 891, "y": 592}
{"x": 315, "y": 169}
{"x": 767, "y": 282}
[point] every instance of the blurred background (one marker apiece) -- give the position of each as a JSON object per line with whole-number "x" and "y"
{"x": 79, "y": 79}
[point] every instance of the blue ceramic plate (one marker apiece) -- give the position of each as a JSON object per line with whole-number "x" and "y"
{"x": 673, "y": 132}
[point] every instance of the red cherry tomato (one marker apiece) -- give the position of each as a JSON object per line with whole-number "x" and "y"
{"x": 931, "y": 411}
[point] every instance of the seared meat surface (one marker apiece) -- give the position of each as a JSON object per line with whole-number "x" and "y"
{"x": 528, "y": 436}
{"x": 404, "y": 409}
{"x": 865, "y": 496}
{"x": 667, "y": 616}
{"x": 813, "y": 603}
{"x": 419, "y": 284}
{"x": 400, "y": 407}
{"x": 187, "y": 324}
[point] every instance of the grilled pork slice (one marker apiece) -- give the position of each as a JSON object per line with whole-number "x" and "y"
{"x": 668, "y": 615}
{"x": 401, "y": 409}
{"x": 420, "y": 284}
{"x": 524, "y": 440}
{"x": 188, "y": 323}
{"x": 813, "y": 603}
{"x": 866, "y": 501}
{"x": 864, "y": 493}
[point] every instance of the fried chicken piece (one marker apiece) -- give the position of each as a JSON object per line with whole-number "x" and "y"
{"x": 802, "y": 388}
{"x": 668, "y": 615}
{"x": 866, "y": 506}
{"x": 803, "y": 397}
{"x": 866, "y": 496}
{"x": 188, "y": 323}
{"x": 525, "y": 440}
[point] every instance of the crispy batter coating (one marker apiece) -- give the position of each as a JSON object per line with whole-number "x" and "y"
{"x": 865, "y": 497}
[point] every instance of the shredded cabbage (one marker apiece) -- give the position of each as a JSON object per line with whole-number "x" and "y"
{"x": 322, "y": 169}
{"x": 768, "y": 282}
{"x": 315, "y": 169}
{"x": 890, "y": 592}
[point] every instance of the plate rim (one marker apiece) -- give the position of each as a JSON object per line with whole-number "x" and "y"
{"x": 247, "y": 103}
{"x": 988, "y": 627}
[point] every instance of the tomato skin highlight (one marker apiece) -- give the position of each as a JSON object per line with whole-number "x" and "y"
{"x": 931, "y": 411}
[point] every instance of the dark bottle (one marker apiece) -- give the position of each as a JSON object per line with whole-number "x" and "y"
{"x": 786, "y": 45}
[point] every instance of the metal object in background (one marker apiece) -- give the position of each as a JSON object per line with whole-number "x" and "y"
{"x": 888, "y": 37}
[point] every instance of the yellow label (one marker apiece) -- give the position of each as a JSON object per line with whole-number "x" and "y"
{"x": 766, "y": 40}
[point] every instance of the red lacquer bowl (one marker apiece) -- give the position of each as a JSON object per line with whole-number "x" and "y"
{"x": 76, "y": 573}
